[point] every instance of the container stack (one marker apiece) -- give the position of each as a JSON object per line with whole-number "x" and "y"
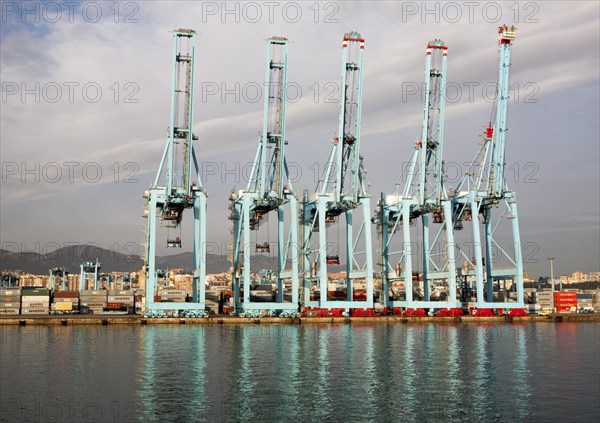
{"x": 585, "y": 302}
{"x": 140, "y": 300}
{"x": 120, "y": 300}
{"x": 10, "y": 300}
{"x": 94, "y": 300}
{"x": 65, "y": 302}
{"x": 35, "y": 300}
{"x": 565, "y": 301}
{"x": 173, "y": 296}
{"x": 544, "y": 299}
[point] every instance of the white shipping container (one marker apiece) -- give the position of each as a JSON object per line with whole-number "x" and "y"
{"x": 66, "y": 300}
{"x": 7, "y": 292}
{"x": 90, "y": 304}
{"x": 35, "y": 299}
{"x": 121, "y": 299}
{"x": 172, "y": 292}
{"x": 93, "y": 299}
{"x": 7, "y": 311}
{"x": 114, "y": 292}
{"x": 94, "y": 292}
{"x": 36, "y": 305}
{"x": 174, "y": 299}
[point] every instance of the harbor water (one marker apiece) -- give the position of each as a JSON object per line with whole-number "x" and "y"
{"x": 481, "y": 372}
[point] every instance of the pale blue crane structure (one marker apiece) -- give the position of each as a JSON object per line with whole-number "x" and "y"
{"x": 342, "y": 189}
{"x": 59, "y": 277}
{"x": 483, "y": 197}
{"x": 89, "y": 274}
{"x": 178, "y": 186}
{"x": 269, "y": 190}
{"x": 420, "y": 196}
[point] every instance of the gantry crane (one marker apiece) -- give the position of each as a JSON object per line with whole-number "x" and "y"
{"x": 89, "y": 272}
{"x": 341, "y": 190}
{"x": 420, "y": 195}
{"x": 179, "y": 187}
{"x": 269, "y": 190}
{"x": 483, "y": 196}
{"x": 9, "y": 280}
{"x": 59, "y": 276}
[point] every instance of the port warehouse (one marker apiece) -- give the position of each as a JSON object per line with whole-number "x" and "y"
{"x": 39, "y": 301}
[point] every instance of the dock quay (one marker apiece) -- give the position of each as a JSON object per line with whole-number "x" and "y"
{"x": 218, "y": 320}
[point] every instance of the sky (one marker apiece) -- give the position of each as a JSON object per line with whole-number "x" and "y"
{"x": 86, "y": 92}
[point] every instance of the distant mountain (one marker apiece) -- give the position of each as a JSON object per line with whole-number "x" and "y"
{"x": 71, "y": 257}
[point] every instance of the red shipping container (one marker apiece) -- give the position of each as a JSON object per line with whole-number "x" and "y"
{"x": 563, "y": 309}
{"x": 563, "y": 294}
{"x": 566, "y": 300}
{"x": 138, "y": 298}
{"x": 115, "y": 306}
{"x": 157, "y": 298}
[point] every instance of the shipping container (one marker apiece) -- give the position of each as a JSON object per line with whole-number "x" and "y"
{"x": 173, "y": 299}
{"x": 11, "y": 311}
{"x": 24, "y": 311}
{"x": 62, "y": 306}
{"x": 37, "y": 307}
{"x": 584, "y": 296}
{"x": 10, "y": 291}
{"x": 66, "y": 300}
{"x": 172, "y": 293}
{"x": 10, "y": 304}
{"x": 36, "y": 293}
{"x": 94, "y": 292}
{"x": 10, "y": 298}
{"x": 567, "y": 302}
{"x": 114, "y": 293}
{"x": 66, "y": 294}
{"x": 93, "y": 298}
{"x": 565, "y": 294}
{"x": 91, "y": 304}
{"x": 115, "y": 306}
{"x": 128, "y": 299}
{"x": 35, "y": 299}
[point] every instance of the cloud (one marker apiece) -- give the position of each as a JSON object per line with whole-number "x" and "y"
{"x": 130, "y": 63}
